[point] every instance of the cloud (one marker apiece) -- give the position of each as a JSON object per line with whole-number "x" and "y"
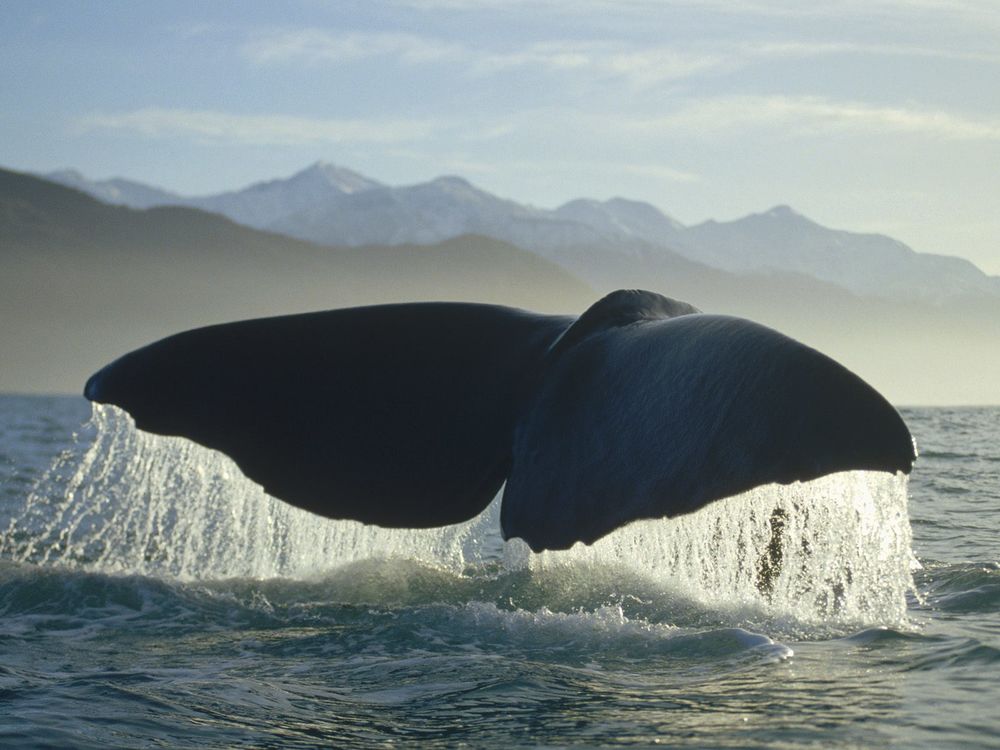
{"x": 809, "y": 115}
{"x": 795, "y": 50}
{"x": 604, "y": 59}
{"x": 267, "y": 129}
{"x": 639, "y": 66}
{"x": 965, "y": 11}
{"x": 312, "y": 45}
{"x": 719, "y": 117}
{"x": 593, "y": 62}
{"x": 973, "y": 10}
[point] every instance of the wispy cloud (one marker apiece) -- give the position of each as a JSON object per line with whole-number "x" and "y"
{"x": 267, "y": 129}
{"x": 719, "y": 117}
{"x": 640, "y": 66}
{"x": 972, "y": 10}
{"x": 777, "y": 50}
{"x": 313, "y": 45}
{"x": 811, "y": 115}
{"x": 605, "y": 59}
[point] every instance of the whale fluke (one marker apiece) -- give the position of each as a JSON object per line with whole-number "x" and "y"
{"x": 397, "y": 415}
{"x": 659, "y": 417}
{"x": 414, "y": 415}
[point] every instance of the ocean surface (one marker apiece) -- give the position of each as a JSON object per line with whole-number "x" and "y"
{"x": 152, "y": 597}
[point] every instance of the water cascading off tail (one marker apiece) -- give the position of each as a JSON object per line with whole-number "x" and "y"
{"x": 123, "y": 501}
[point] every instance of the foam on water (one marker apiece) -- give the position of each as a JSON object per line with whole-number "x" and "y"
{"x": 837, "y": 548}
{"x": 123, "y": 501}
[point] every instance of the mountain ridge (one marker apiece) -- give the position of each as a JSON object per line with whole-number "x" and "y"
{"x": 332, "y": 205}
{"x": 84, "y": 280}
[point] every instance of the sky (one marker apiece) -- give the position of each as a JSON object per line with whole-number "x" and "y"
{"x": 867, "y": 115}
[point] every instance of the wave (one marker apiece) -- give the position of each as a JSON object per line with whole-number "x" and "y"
{"x": 382, "y": 612}
{"x": 960, "y": 587}
{"x": 38, "y": 601}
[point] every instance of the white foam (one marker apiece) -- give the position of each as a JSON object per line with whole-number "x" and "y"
{"x": 845, "y": 548}
{"x": 125, "y": 501}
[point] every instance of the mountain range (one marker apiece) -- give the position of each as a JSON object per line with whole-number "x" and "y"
{"x": 331, "y": 205}
{"x": 85, "y": 280}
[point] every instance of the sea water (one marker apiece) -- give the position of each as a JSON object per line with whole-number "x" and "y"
{"x": 150, "y": 595}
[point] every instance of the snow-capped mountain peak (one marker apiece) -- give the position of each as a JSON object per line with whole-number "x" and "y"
{"x": 326, "y": 174}
{"x": 783, "y": 212}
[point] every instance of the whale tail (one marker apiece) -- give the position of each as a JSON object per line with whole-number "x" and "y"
{"x": 414, "y": 415}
